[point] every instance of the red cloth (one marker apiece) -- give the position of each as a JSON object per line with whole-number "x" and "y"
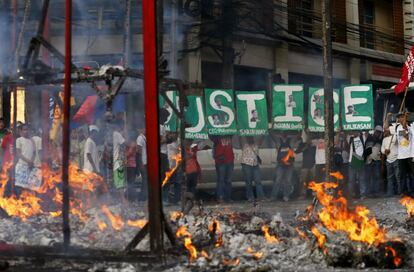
{"x": 192, "y": 165}
{"x": 223, "y": 150}
{"x": 86, "y": 112}
{"x": 131, "y": 152}
{"x": 7, "y": 146}
{"x": 407, "y": 72}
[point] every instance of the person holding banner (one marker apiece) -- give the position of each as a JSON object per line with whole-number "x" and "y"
{"x": 224, "y": 160}
{"x": 390, "y": 150}
{"x": 308, "y": 150}
{"x": 250, "y": 162}
{"x": 284, "y": 169}
{"x": 373, "y": 161}
{"x": 356, "y": 166}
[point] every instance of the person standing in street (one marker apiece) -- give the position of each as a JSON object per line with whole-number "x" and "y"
{"x": 250, "y": 162}
{"x": 91, "y": 154}
{"x": 142, "y": 164}
{"x": 308, "y": 150}
{"x": 390, "y": 149}
{"x": 224, "y": 161}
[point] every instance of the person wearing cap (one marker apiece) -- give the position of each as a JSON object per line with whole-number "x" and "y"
{"x": 372, "y": 155}
{"x": 404, "y": 136}
{"x": 91, "y": 154}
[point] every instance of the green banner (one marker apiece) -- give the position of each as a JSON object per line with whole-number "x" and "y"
{"x": 316, "y": 110}
{"x": 171, "y": 123}
{"x": 252, "y": 113}
{"x": 220, "y": 112}
{"x": 357, "y": 107}
{"x": 287, "y": 107}
{"x": 195, "y": 117}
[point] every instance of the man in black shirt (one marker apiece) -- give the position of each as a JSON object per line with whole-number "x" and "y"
{"x": 308, "y": 162}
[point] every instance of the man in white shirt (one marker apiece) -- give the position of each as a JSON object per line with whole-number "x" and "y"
{"x": 164, "y": 166}
{"x": 390, "y": 149}
{"x": 91, "y": 154}
{"x": 142, "y": 164}
{"x": 25, "y": 149}
{"x": 173, "y": 149}
{"x": 404, "y": 136}
{"x": 357, "y": 183}
{"x": 119, "y": 157}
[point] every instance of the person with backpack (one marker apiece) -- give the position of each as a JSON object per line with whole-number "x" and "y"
{"x": 357, "y": 183}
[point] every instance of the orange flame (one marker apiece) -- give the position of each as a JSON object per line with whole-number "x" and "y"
{"x": 397, "y": 260}
{"x": 204, "y": 254}
{"x": 336, "y": 216}
{"x": 101, "y": 225}
{"x": 301, "y": 234}
{"x": 257, "y": 255}
{"x": 231, "y": 262}
{"x": 272, "y": 239}
{"x": 170, "y": 172}
{"x": 55, "y": 214}
{"x": 289, "y": 155}
{"x": 140, "y": 223}
{"x": 320, "y": 238}
{"x": 116, "y": 221}
{"x": 337, "y": 175}
{"x": 188, "y": 244}
{"x": 408, "y": 203}
{"x": 215, "y": 227}
{"x": 175, "y": 215}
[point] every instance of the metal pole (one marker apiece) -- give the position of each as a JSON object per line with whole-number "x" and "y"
{"x": 127, "y": 34}
{"x": 66, "y": 123}
{"x": 149, "y": 15}
{"x": 328, "y": 92}
{"x": 173, "y": 42}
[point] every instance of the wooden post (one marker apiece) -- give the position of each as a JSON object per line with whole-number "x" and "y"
{"x": 328, "y": 91}
{"x": 66, "y": 123}
{"x": 151, "y": 47}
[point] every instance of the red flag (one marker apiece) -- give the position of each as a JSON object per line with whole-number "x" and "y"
{"x": 407, "y": 73}
{"x": 86, "y": 111}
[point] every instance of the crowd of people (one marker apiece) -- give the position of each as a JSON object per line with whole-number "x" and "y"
{"x": 373, "y": 163}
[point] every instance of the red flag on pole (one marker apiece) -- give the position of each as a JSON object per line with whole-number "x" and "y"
{"x": 407, "y": 73}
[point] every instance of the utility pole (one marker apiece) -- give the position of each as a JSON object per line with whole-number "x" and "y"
{"x": 328, "y": 91}
{"x": 173, "y": 39}
{"x": 227, "y": 44}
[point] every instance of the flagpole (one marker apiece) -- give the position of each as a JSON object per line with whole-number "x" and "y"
{"x": 403, "y": 101}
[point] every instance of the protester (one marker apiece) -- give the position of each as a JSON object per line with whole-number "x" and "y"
{"x": 404, "y": 136}
{"x": 38, "y": 147}
{"x": 341, "y": 159}
{"x": 250, "y": 162}
{"x": 131, "y": 165}
{"x": 26, "y": 152}
{"x": 373, "y": 162}
{"x": 224, "y": 161}
{"x": 192, "y": 167}
{"x": 174, "y": 183}
{"x": 165, "y": 166}
{"x": 320, "y": 160}
{"x": 390, "y": 149}
{"x": 142, "y": 164}
{"x": 357, "y": 184}
{"x": 91, "y": 154}
{"x": 119, "y": 171}
{"x": 308, "y": 150}
{"x": 3, "y": 133}
{"x": 284, "y": 169}
{"x": 77, "y": 147}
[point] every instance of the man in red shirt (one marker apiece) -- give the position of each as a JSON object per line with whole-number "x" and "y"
{"x": 224, "y": 161}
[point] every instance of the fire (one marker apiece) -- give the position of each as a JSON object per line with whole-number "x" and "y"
{"x": 408, "y": 203}
{"x": 101, "y": 225}
{"x": 216, "y": 229}
{"x": 257, "y": 255}
{"x": 116, "y": 221}
{"x": 337, "y": 175}
{"x": 170, "y": 172}
{"x": 289, "y": 155}
{"x": 301, "y": 234}
{"x": 269, "y": 238}
{"x": 231, "y": 262}
{"x": 204, "y": 254}
{"x": 188, "y": 244}
{"x": 336, "y": 216}
{"x": 55, "y": 214}
{"x": 140, "y": 223}
{"x": 175, "y": 215}
{"x": 320, "y": 238}
{"x": 397, "y": 260}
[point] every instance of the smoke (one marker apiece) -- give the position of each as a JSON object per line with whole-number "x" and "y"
{"x": 5, "y": 38}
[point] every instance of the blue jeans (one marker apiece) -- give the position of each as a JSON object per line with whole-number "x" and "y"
{"x": 224, "y": 176}
{"x": 283, "y": 181}
{"x": 252, "y": 173}
{"x": 373, "y": 177}
{"x": 393, "y": 172}
{"x": 357, "y": 177}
